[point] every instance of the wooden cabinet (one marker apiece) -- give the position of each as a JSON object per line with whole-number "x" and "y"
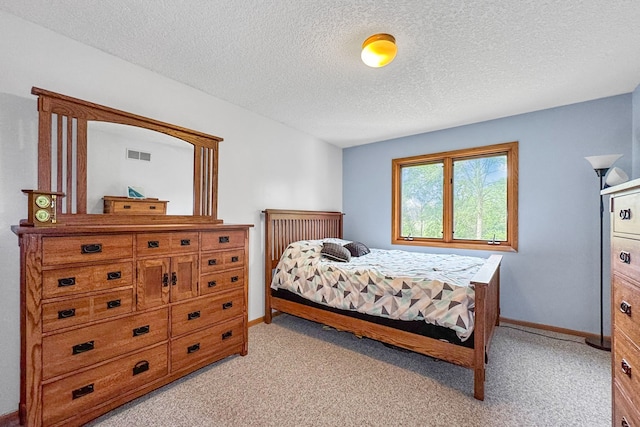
{"x": 625, "y": 302}
{"x": 111, "y": 313}
{"x": 167, "y": 279}
{"x": 167, "y": 267}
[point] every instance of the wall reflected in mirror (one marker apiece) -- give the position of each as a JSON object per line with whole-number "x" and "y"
{"x": 163, "y": 168}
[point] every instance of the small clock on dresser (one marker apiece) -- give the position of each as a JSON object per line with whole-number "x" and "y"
{"x": 41, "y": 207}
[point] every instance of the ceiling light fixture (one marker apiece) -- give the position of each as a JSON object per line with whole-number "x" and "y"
{"x": 379, "y": 50}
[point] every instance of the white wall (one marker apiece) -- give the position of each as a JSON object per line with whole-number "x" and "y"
{"x": 635, "y": 173}
{"x": 258, "y": 157}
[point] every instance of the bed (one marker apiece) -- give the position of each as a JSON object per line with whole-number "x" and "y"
{"x": 468, "y": 348}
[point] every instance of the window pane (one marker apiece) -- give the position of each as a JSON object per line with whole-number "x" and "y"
{"x": 480, "y": 198}
{"x": 421, "y": 200}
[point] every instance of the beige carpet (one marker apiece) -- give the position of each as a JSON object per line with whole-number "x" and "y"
{"x": 298, "y": 373}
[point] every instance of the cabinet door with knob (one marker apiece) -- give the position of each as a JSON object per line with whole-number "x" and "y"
{"x": 184, "y": 277}
{"x": 166, "y": 279}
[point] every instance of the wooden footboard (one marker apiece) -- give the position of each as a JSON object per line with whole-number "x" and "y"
{"x": 283, "y": 227}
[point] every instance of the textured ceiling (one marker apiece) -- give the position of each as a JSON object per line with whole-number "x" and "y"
{"x": 298, "y": 61}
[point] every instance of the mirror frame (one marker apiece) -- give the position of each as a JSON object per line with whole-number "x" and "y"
{"x": 71, "y": 114}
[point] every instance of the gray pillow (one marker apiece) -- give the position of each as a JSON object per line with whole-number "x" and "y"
{"x": 357, "y": 249}
{"x": 336, "y": 252}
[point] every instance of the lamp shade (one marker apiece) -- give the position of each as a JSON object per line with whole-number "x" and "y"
{"x": 616, "y": 177}
{"x": 604, "y": 161}
{"x": 379, "y": 50}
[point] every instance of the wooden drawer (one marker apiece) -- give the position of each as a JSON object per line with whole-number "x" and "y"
{"x": 626, "y": 367}
{"x": 209, "y": 344}
{"x": 77, "y": 280}
{"x": 78, "y": 348}
{"x": 67, "y": 250}
{"x": 150, "y": 244}
{"x": 623, "y": 413}
{"x": 626, "y": 308}
{"x": 626, "y": 214}
{"x": 129, "y": 206}
{"x": 223, "y": 281}
{"x": 66, "y": 397}
{"x": 192, "y": 315}
{"x": 625, "y": 256}
{"x": 223, "y": 260}
{"x": 70, "y": 312}
{"x": 214, "y": 240}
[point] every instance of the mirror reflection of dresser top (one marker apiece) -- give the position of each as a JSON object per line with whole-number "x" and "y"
{"x": 129, "y": 206}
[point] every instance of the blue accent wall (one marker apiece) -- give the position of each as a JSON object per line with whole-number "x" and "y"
{"x": 553, "y": 279}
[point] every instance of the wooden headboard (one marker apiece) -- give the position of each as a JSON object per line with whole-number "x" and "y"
{"x": 282, "y": 227}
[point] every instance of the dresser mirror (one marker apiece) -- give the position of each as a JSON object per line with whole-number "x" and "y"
{"x": 119, "y": 156}
{"x": 88, "y": 151}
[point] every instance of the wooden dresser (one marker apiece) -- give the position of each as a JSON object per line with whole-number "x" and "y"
{"x": 625, "y": 302}
{"x": 115, "y": 305}
{"x": 112, "y": 312}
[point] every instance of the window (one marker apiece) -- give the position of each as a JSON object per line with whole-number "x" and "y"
{"x": 459, "y": 199}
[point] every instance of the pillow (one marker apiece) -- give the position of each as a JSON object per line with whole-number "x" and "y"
{"x": 336, "y": 252}
{"x": 357, "y": 248}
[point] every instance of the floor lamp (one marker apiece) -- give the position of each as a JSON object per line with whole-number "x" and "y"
{"x": 601, "y": 165}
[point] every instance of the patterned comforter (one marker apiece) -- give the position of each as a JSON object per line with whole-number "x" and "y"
{"x": 388, "y": 283}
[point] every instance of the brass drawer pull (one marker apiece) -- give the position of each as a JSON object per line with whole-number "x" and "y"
{"x": 153, "y": 244}
{"x": 193, "y": 348}
{"x": 234, "y": 279}
{"x": 65, "y": 314}
{"x": 93, "y": 248}
{"x": 114, "y": 275}
{"x": 234, "y": 259}
{"x": 140, "y": 367}
{"x": 82, "y": 391}
{"x": 67, "y": 281}
{"x": 625, "y": 257}
{"x": 227, "y": 335}
{"x": 211, "y": 283}
{"x": 141, "y": 330}
{"x": 113, "y": 304}
{"x": 193, "y": 315}
{"x": 185, "y": 242}
{"x": 82, "y": 348}
{"x": 626, "y": 368}
{"x": 212, "y": 262}
{"x": 625, "y": 214}
{"x": 227, "y": 305}
{"x": 625, "y": 307}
